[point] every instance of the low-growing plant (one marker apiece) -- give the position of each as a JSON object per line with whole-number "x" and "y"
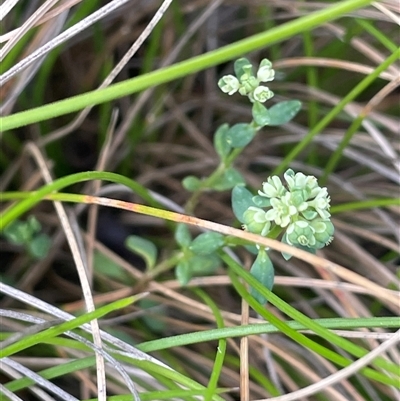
{"x": 27, "y": 234}
{"x": 299, "y": 210}
{"x": 288, "y": 337}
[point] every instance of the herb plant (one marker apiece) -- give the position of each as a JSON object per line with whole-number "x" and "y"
{"x": 229, "y": 292}
{"x": 300, "y": 211}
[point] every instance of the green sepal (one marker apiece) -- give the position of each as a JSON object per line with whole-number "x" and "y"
{"x": 263, "y": 270}
{"x": 207, "y": 243}
{"x": 240, "y": 135}
{"x": 288, "y": 256}
{"x": 283, "y": 112}
{"x": 143, "y": 247}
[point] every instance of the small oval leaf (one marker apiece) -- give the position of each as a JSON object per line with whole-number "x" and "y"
{"x": 283, "y": 112}
{"x": 221, "y": 144}
{"x": 263, "y": 270}
{"x": 261, "y": 201}
{"x": 230, "y": 178}
{"x": 207, "y": 243}
{"x": 182, "y": 235}
{"x": 143, "y": 247}
{"x": 242, "y": 199}
{"x": 191, "y": 183}
{"x": 240, "y": 135}
{"x": 182, "y": 272}
{"x": 201, "y": 265}
{"x": 106, "y": 266}
{"x": 197, "y": 265}
{"x": 39, "y": 246}
{"x": 260, "y": 114}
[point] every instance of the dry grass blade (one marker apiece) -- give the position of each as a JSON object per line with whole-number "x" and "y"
{"x": 46, "y": 33}
{"x": 26, "y": 26}
{"x": 38, "y": 379}
{"x": 41, "y": 324}
{"x": 110, "y": 78}
{"x": 6, "y": 7}
{"x": 62, "y": 38}
{"x": 345, "y": 372}
{"x": 81, "y": 266}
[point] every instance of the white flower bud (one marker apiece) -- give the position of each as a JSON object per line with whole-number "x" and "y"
{"x": 262, "y": 94}
{"x": 265, "y": 72}
{"x": 229, "y": 84}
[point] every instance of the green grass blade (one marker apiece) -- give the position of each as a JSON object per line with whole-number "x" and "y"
{"x": 183, "y": 68}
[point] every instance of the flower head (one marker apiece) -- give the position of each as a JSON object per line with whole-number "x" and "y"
{"x": 282, "y": 210}
{"x": 229, "y": 84}
{"x": 273, "y": 188}
{"x": 300, "y": 181}
{"x": 265, "y": 72}
{"x": 302, "y": 208}
{"x": 321, "y": 203}
{"x": 301, "y": 233}
{"x": 255, "y": 221}
{"x": 248, "y": 84}
{"x": 323, "y": 232}
{"x": 261, "y": 94}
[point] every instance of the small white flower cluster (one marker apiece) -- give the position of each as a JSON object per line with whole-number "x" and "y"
{"x": 302, "y": 208}
{"x": 248, "y": 84}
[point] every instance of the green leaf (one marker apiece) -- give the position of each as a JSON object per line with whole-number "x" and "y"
{"x": 239, "y": 64}
{"x": 261, "y": 201}
{"x": 242, "y": 199}
{"x": 33, "y": 224}
{"x": 143, "y": 247}
{"x": 230, "y": 178}
{"x": 54, "y": 331}
{"x": 283, "y": 112}
{"x": 106, "y": 266}
{"x": 182, "y": 235}
{"x": 182, "y": 272}
{"x": 240, "y": 135}
{"x": 121, "y": 333}
{"x": 260, "y": 114}
{"x": 39, "y": 246}
{"x": 18, "y": 232}
{"x": 207, "y": 243}
{"x": 196, "y": 265}
{"x": 191, "y": 183}
{"x": 263, "y": 270}
{"x": 221, "y": 144}
{"x": 154, "y": 324}
{"x": 201, "y": 265}
{"x": 252, "y": 249}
